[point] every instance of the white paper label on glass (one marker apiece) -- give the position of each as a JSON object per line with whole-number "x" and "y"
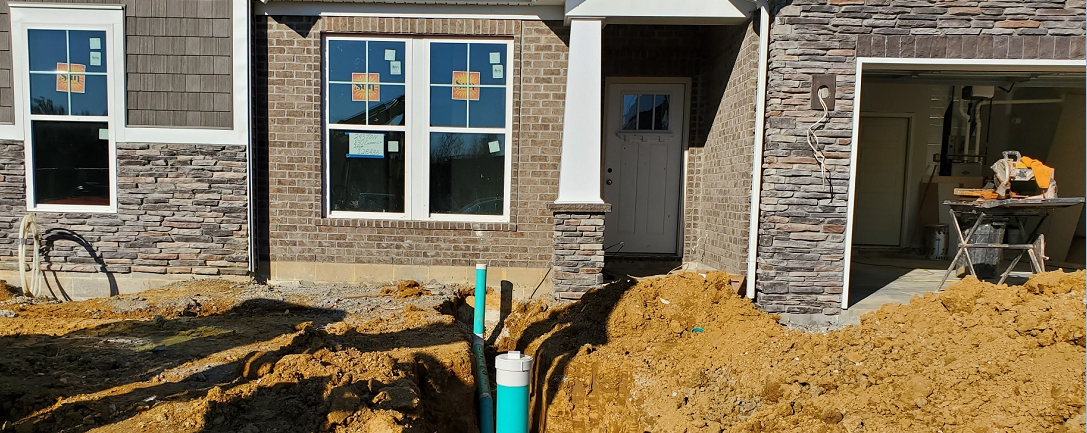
{"x": 495, "y": 146}
{"x": 394, "y": 146}
{"x": 96, "y": 43}
{"x": 496, "y": 72}
{"x": 103, "y": 134}
{"x": 96, "y": 58}
{"x": 496, "y": 57}
{"x": 365, "y": 145}
{"x": 390, "y": 54}
{"x": 394, "y": 67}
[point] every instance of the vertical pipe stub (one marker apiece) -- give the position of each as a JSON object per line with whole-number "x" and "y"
{"x": 513, "y": 371}
{"x": 481, "y": 299}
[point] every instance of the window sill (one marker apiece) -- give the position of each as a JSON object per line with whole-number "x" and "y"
{"x": 417, "y": 225}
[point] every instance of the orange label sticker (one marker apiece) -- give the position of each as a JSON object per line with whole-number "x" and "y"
{"x": 75, "y": 83}
{"x": 364, "y": 87}
{"x": 468, "y": 80}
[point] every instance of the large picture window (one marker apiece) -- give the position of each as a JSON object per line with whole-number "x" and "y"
{"x": 417, "y": 129}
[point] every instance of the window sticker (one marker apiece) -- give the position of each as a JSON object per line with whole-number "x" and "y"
{"x": 468, "y": 83}
{"x": 364, "y": 87}
{"x": 365, "y": 145}
{"x": 96, "y": 58}
{"x": 103, "y": 134}
{"x": 394, "y": 146}
{"x": 496, "y": 57}
{"x": 494, "y": 146}
{"x": 390, "y": 54}
{"x": 496, "y": 72}
{"x": 96, "y": 43}
{"x": 394, "y": 68}
{"x": 75, "y": 83}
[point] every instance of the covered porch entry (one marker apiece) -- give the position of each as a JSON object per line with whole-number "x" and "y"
{"x": 643, "y": 89}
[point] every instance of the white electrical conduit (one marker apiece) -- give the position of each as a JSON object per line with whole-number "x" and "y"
{"x": 977, "y": 112}
{"x": 813, "y": 140}
{"x": 28, "y": 229}
{"x": 756, "y": 158}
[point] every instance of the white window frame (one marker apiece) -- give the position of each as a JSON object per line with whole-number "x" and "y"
{"x": 417, "y": 131}
{"x": 108, "y": 18}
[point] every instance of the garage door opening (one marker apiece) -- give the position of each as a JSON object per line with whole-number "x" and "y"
{"x": 922, "y": 132}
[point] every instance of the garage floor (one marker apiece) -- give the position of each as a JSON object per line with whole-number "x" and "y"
{"x": 876, "y": 280}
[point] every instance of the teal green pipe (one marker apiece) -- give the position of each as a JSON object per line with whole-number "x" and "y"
{"x": 483, "y": 388}
{"x": 481, "y": 299}
{"x": 512, "y": 414}
{"x": 513, "y": 371}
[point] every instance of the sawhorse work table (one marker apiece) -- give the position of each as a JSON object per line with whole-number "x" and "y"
{"x": 1006, "y": 211}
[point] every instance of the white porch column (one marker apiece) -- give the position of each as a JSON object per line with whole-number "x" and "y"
{"x": 579, "y": 166}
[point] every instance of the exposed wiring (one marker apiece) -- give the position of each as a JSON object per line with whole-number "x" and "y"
{"x": 28, "y": 232}
{"x": 813, "y": 140}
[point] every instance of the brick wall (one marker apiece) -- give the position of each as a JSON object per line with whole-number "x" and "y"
{"x": 802, "y": 221}
{"x": 178, "y": 62}
{"x": 181, "y": 209}
{"x": 294, "y": 228}
{"x": 719, "y": 173}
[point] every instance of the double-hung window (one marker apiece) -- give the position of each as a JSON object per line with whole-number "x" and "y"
{"x": 66, "y": 69}
{"x": 417, "y": 129}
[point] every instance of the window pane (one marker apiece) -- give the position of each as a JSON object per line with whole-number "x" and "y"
{"x": 389, "y": 108}
{"x": 490, "y": 110}
{"x": 46, "y": 49}
{"x": 466, "y": 173}
{"x": 387, "y": 60}
{"x": 446, "y": 111}
{"x": 71, "y": 163}
{"x": 645, "y": 112}
{"x": 446, "y": 58}
{"x": 345, "y": 58}
{"x": 366, "y": 171}
{"x": 88, "y": 48}
{"x": 660, "y": 113}
{"x": 341, "y": 107}
{"x": 44, "y": 97}
{"x": 92, "y": 100}
{"x": 484, "y": 58}
{"x": 630, "y": 112}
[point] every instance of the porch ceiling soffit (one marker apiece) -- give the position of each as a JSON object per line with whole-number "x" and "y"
{"x": 722, "y": 12}
{"x": 499, "y": 9}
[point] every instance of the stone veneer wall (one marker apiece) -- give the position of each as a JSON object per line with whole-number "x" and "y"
{"x": 182, "y": 209}
{"x": 802, "y": 221}
{"x": 578, "y": 261}
{"x": 296, "y": 230}
{"x": 719, "y": 172}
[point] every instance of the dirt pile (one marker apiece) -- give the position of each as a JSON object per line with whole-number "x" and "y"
{"x": 976, "y": 358}
{"x": 406, "y": 289}
{"x": 214, "y": 357}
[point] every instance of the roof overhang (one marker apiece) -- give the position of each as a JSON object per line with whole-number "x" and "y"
{"x": 679, "y": 12}
{"x": 662, "y": 12}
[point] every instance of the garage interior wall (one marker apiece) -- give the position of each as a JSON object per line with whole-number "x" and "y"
{"x": 1052, "y": 132}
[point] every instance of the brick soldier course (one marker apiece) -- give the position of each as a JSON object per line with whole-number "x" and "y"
{"x": 802, "y": 220}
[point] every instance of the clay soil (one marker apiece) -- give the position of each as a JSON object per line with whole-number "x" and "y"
{"x": 975, "y": 358}
{"x": 199, "y": 357}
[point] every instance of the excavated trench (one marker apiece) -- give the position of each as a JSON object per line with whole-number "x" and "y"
{"x": 681, "y": 353}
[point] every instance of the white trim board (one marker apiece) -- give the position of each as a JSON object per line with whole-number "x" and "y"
{"x": 885, "y": 63}
{"x": 240, "y": 92}
{"x": 404, "y": 10}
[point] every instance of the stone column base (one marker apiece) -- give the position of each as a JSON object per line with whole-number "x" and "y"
{"x": 578, "y": 258}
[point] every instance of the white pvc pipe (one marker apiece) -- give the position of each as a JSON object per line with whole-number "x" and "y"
{"x": 756, "y": 157}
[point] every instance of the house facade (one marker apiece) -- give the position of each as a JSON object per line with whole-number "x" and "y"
{"x": 358, "y": 140}
{"x": 124, "y": 130}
